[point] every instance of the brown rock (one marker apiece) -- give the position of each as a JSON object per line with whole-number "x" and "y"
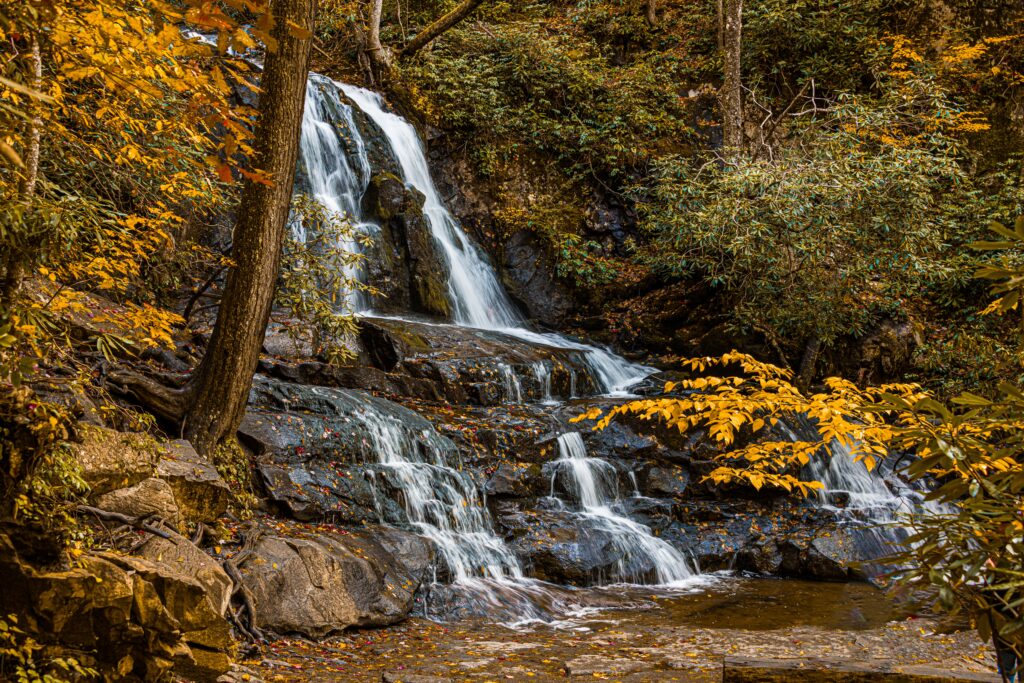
{"x": 182, "y": 555}
{"x": 324, "y": 583}
{"x": 149, "y": 497}
{"x": 113, "y": 460}
{"x": 201, "y": 493}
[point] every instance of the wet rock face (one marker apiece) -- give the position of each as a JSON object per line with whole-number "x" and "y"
{"x": 319, "y": 457}
{"x": 405, "y": 265}
{"x": 560, "y": 547}
{"x": 323, "y": 583}
{"x": 529, "y": 275}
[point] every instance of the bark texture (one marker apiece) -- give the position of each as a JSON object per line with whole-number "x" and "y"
{"x": 424, "y": 37}
{"x": 732, "y": 86}
{"x": 13, "y": 270}
{"x": 652, "y": 12}
{"x": 221, "y": 385}
{"x": 378, "y": 56}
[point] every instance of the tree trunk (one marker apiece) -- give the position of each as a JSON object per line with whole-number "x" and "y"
{"x": 732, "y": 86}
{"x": 440, "y": 26}
{"x": 652, "y": 12}
{"x": 13, "y": 270}
{"x": 378, "y": 56}
{"x": 808, "y": 364}
{"x": 220, "y": 388}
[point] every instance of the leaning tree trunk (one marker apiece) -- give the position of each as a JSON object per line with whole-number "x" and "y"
{"x": 808, "y": 364}
{"x": 380, "y": 62}
{"x": 220, "y": 388}
{"x": 652, "y": 12}
{"x": 29, "y": 176}
{"x": 732, "y": 86}
{"x": 423, "y": 38}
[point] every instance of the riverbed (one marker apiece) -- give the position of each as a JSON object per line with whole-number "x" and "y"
{"x": 654, "y": 635}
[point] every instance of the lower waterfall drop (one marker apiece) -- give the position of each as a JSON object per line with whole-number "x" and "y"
{"x": 593, "y": 483}
{"x": 444, "y": 505}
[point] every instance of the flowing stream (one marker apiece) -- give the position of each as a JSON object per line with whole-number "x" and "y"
{"x": 873, "y": 505}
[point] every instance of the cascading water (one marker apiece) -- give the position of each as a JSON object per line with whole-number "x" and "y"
{"x": 478, "y": 299}
{"x": 871, "y": 504}
{"x": 542, "y": 373}
{"x": 441, "y": 502}
{"x": 334, "y": 176}
{"x": 512, "y": 385}
{"x": 593, "y": 484}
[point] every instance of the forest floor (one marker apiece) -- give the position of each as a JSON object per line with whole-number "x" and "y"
{"x": 671, "y": 637}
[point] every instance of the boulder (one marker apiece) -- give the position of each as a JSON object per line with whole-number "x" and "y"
{"x": 323, "y": 583}
{"x": 515, "y": 480}
{"x": 113, "y": 460}
{"x": 183, "y": 555}
{"x": 201, "y": 493}
{"x": 565, "y": 548}
{"x": 661, "y": 481}
{"x": 149, "y": 497}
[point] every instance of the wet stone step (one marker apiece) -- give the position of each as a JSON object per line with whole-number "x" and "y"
{"x": 824, "y": 670}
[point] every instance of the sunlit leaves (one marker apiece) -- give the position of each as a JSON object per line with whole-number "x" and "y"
{"x": 1006, "y": 274}
{"x": 744, "y": 413}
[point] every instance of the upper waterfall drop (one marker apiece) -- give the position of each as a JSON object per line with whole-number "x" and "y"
{"x": 478, "y": 299}
{"x": 338, "y": 178}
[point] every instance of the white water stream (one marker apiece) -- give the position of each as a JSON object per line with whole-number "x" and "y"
{"x": 593, "y": 483}
{"x": 442, "y": 502}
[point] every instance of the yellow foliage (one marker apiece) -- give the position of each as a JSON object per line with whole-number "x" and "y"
{"x": 739, "y": 408}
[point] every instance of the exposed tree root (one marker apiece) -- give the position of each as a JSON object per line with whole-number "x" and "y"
{"x": 246, "y": 626}
{"x": 134, "y": 522}
{"x": 165, "y": 402}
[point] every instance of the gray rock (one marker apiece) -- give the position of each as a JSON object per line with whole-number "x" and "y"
{"x": 660, "y": 481}
{"x": 597, "y": 665}
{"x": 324, "y": 583}
{"x": 529, "y": 274}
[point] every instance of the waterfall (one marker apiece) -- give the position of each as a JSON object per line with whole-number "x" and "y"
{"x": 872, "y": 505}
{"x": 542, "y": 373}
{"x": 336, "y": 177}
{"x": 441, "y": 502}
{"x": 594, "y": 485}
{"x": 512, "y": 384}
{"x": 478, "y": 299}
